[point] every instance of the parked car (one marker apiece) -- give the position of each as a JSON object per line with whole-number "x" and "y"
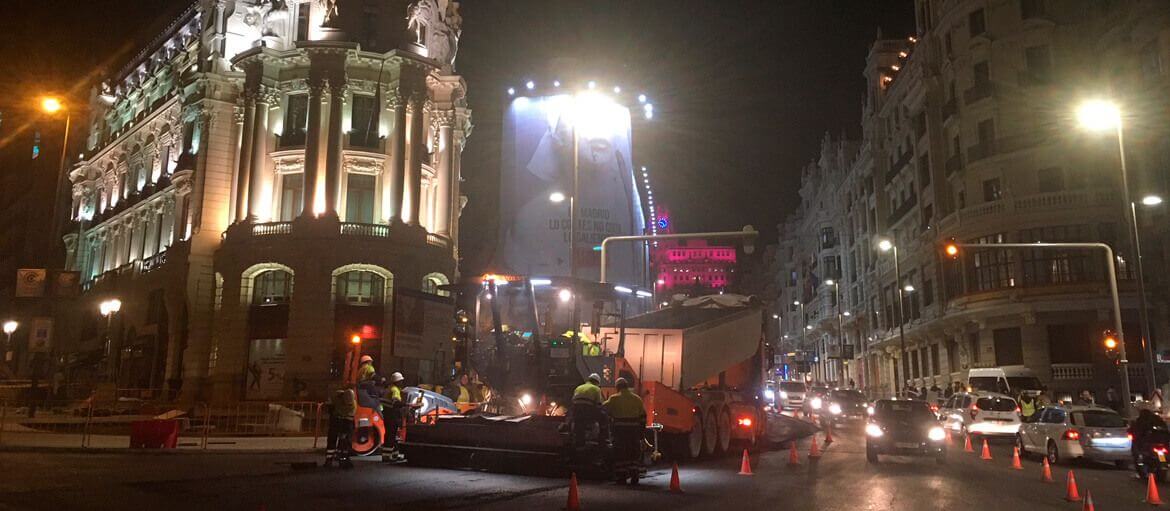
{"x": 791, "y": 394}
{"x": 981, "y": 413}
{"x": 904, "y": 426}
{"x": 1070, "y": 432}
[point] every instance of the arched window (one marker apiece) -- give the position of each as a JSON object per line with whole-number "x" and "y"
{"x": 360, "y": 287}
{"x": 272, "y": 287}
{"x": 431, "y": 283}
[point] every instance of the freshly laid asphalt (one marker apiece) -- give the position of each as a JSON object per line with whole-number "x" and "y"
{"x": 839, "y": 480}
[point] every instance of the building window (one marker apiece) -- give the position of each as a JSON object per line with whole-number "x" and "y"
{"x": 1009, "y": 346}
{"x": 296, "y": 121}
{"x": 292, "y": 196}
{"x": 364, "y": 122}
{"x": 359, "y": 198}
{"x": 828, "y": 238}
{"x": 303, "y": 21}
{"x": 1050, "y": 180}
{"x": 272, "y": 287}
{"x": 1045, "y": 267}
{"x": 993, "y": 269}
{"x": 927, "y": 293}
{"x": 977, "y": 23}
{"x": 360, "y": 288}
{"x": 992, "y": 190}
{"x": 1038, "y": 60}
{"x": 1031, "y": 9}
{"x": 431, "y": 283}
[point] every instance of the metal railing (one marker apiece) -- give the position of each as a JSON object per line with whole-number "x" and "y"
{"x": 438, "y": 240}
{"x": 107, "y": 423}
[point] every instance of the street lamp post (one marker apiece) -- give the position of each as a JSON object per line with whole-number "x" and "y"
{"x": 840, "y": 328}
{"x": 1101, "y": 115}
{"x": 110, "y": 308}
{"x": 803, "y": 324}
{"x": 887, "y": 246}
{"x": 10, "y": 327}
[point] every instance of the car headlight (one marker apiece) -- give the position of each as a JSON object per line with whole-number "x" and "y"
{"x": 783, "y": 395}
{"x": 869, "y": 410}
{"x": 835, "y": 409}
{"x": 873, "y": 430}
{"x": 936, "y": 434}
{"x": 815, "y": 403}
{"x": 769, "y": 394}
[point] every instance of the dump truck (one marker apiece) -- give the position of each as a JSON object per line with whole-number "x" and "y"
{"x": 701, "y": 387}
{"x": 700, "y": 371}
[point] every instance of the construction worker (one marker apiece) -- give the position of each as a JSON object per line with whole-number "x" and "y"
{"x": 342, "y": 405}
{"x": 394, "y": 415}
{"x": 366, "y": 370}
{"x": 629, "y": 422}
{"x": 587, "y": 412}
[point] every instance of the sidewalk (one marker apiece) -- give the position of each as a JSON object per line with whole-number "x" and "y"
{"x": 25, "y": 441}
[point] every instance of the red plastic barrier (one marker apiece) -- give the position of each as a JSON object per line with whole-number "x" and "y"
{"x": 154, "y": 434}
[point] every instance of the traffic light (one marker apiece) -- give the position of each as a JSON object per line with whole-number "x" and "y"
{"x": 1111, "y": 345}
{"x": 951, "y": 248}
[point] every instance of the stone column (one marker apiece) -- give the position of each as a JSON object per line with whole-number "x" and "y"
{"x": 418, "y": 148}
{"x": 182, "y": 182}
{"x": 260, "y": 175}
{"x": 71, "y": 250}
{"x": 243, "y": 172}
{"x": 313, "y": 143}
{"x": 396, "y": 156}
{"x": 444, "y": 121}
{"x": 337, "y": 90}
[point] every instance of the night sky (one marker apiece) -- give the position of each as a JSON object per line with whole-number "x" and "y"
{"x": 743, "y": 90}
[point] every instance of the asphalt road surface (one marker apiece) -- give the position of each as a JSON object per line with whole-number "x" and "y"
{"x": 840, "y": 480}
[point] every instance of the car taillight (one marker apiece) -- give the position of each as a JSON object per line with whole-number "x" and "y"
{"x": 1018, "y": 409}
{"x": 1129, "y": 436}
{"x": 934, "y": 408}
{"x": 1071, "y": 434}
{"x": 744, "y": 422}
{"x": 1160, "y": 449}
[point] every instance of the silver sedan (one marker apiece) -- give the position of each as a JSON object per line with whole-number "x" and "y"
{"x": 1071, "y": 432}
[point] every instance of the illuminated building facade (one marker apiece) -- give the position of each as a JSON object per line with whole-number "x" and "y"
{"x": 691, "y": 267}
{"x": 259, "y": 184}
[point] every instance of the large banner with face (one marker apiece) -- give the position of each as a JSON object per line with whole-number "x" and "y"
{"x": 537, "y": 161}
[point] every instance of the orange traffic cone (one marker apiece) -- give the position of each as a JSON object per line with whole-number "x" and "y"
{"x": 793, "y": 457}
{"x": 828, "y": 432}
{"x": 1152, "y": 497}
{"x": 1047, "y": 474}
{"x": 986, "y": 451}
{"x": 1088, "y": 502}
{"x": 745, "y": 466}
{"x": 814, "y": 450}
{"x": 574, "y": 503}
{"x": 1071, "y": 493}
{"x": 1016, "y": 459}
{"x": 967, "y": 444}
{"x": 675, "y": 487}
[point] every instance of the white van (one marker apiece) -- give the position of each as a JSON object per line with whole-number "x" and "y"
{"x": 1008, "y": 380}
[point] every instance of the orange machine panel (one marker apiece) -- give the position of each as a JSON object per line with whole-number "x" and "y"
{"x": 667, "y": 407}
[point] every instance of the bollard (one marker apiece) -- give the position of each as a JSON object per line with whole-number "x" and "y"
{"x": 85, "y": 428}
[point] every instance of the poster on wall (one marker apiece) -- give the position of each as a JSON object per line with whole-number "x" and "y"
{"x": 422, "y": 324}
{"x": 41, "y": 339}
{"x": 266, "y": 366}
{"x": 537, "y": 161}
{"x": 30, "y": 282}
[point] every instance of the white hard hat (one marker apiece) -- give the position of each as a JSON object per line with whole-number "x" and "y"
{"x": 396, "y": 377}
{"x": 594, "y": 378}
{"x": 366, "y": 358}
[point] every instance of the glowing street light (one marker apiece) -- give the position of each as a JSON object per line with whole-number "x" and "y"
{"x": 51, "y": 105}
{"x": 557, "y": 197}
{"x": 565, "y": 295}
{"x": 110, "y": 307}
{"x": 1151, "y": 200}
{"x": 10, "y": 326}
{"x": 886, "y": 245}
{"x": 1099, "y": 115}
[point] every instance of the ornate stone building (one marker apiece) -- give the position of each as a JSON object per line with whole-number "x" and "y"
{"x": 968, "y": 133}
{"x": 258, "y": 184}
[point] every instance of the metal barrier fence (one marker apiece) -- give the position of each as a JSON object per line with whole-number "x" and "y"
{"x": 77, "y": 423}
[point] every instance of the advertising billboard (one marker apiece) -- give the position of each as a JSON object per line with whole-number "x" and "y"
{"x": 537, "y": 161}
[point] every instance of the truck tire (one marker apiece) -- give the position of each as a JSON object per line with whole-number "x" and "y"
{"x": 694, "y": 440}
{"x": 724, "y": 430}
{"x": 710, "y": 432}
